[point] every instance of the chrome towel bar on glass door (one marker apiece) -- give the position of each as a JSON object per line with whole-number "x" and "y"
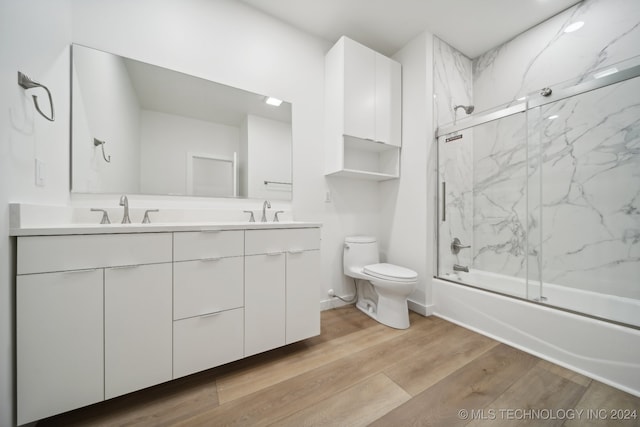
{"x": 27, "y": 83}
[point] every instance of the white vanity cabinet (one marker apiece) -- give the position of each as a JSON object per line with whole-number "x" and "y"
{"x": 77, "y": 319}
{"x": 208, "y": 304}
{"x": 363, "y": 94}
{"x": 281, "y": 287}
{"x": 102, "y": 315}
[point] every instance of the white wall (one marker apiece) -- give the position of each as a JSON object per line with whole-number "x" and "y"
{"x": 34, "y": 38}
{"x": 165, "y": 141}
{"x": 406, "y": 232}
{"x": 269, "y": 158}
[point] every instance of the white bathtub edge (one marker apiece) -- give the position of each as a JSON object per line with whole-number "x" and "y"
{"x": 505, "y": 319}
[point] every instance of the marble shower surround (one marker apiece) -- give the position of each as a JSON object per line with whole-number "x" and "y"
{"x": 583, "y": 231}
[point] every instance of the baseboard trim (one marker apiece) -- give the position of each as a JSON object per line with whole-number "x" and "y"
{"x": 424, "y": 310}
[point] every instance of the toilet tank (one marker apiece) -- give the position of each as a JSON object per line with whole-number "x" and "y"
{"x": 358, "y": 252}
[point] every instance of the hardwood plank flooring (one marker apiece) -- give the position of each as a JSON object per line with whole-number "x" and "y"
{"x": 358, "y": 372}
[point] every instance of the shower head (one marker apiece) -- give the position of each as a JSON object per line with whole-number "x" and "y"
{"x": 467, "y": 108}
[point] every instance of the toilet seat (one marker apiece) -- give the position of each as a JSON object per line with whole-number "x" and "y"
{"x": 390, "y": 272}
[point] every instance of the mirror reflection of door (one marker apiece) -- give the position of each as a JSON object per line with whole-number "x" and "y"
{"x": 211, "y": 176}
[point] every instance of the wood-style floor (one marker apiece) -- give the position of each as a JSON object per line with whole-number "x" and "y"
{"x": 359, "y": 372}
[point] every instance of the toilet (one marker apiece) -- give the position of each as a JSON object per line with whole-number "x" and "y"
{"x": 382, "y": 288}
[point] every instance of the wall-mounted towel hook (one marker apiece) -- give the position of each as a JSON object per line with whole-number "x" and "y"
{"x": 27, "y": 83}
{"x": 97, "y": 142}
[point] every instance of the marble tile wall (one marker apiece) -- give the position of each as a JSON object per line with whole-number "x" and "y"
{"x": 545, "y": 55}
{"x": 453, "y": 86}
{"x": 582, "y": 225}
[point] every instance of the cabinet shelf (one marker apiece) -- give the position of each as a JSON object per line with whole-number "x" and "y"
{"x": 358, "y": 174}
{"x": 369, "y": 160}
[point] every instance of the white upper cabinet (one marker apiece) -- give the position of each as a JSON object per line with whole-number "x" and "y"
{"x": 359, "y": 90}
{"x": 363, "y": 92}
{"x": 372, "y": 86}
{"x": 388, "y": 101}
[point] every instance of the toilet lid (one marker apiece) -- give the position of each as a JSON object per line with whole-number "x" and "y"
{"x": 390, "y": 272}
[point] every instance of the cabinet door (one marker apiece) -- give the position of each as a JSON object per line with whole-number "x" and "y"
{"x": 264, "y": 302}
{"x": 138, "y": 327}
{"x": 388, "y": 123}
{"x": 59, "y": 338}
{"x": 359, "y": 90}
{"x": 303, "y": 295}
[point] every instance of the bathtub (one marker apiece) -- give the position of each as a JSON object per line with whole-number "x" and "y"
{"x": 602, "y": 350}
{"x": 608, "y": 307}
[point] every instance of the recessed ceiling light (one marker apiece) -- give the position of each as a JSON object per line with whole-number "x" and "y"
{"x": 273, "y": 101}
{"x": 574, "y": 27}
{"x": 555, "y": 116}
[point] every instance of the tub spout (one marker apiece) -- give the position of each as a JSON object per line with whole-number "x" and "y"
{"x": 457, "y": 267}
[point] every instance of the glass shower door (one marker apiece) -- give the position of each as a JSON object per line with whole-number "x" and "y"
{"x": 483, "y": 189}
{"x": 589, "y": 214}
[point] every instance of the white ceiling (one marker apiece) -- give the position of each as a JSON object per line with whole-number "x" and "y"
{"x": 471, "y": 26}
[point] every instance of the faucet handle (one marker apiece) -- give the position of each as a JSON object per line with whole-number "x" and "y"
{"x": 251, "y": 218}
{"x": 105, "y": 215}
{"x": 146, "y": 219}
{"x": 275, "y": 216}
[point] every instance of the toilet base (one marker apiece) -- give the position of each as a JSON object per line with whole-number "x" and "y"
{"x": 388, "y": 311}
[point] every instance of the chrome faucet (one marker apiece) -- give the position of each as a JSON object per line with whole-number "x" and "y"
{"x": 457, "y": 267}
{"x": 125, "y": 202}
{"x": 265, "y": 205}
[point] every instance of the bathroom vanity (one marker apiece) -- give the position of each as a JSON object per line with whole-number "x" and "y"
{"x": 102, "y": 311}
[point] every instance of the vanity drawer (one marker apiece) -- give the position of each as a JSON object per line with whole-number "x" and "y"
{"x": 207, "y": 341}
{"x": 39, "y": 254}
{"x": 207, "y": 244}
{"x": 283, "y": 240}
{"x": 207, "y": 286}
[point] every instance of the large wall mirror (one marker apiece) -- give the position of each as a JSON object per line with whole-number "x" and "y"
{"x": 137, "y": 128}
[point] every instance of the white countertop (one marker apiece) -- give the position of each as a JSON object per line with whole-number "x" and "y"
{"x": 68, "y": 229}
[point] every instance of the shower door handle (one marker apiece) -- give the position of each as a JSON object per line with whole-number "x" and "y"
{"x": 444, "y": 201}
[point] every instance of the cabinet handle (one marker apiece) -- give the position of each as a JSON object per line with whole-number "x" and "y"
{"x": 211, "y": 259}
{"x": 295, "y": 251}
{"x": 122, "y": 267}
{"x": 211, "y": 314}
{"x": 88, "y": 270}
{"x": 210, "y": 231}
{"x": 273, "y": 253}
